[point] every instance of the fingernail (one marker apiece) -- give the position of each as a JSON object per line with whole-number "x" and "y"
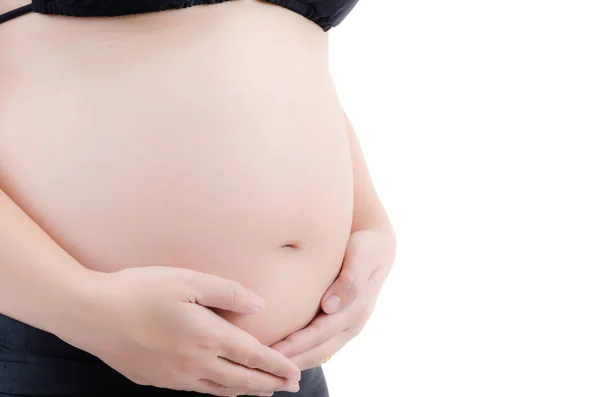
{"x": 258, "y": 303}
{"x": 332, "y": 304}
{"x": 292, "y": 388}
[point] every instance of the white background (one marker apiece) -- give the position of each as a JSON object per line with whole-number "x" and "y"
{"x": 480, "y": 122}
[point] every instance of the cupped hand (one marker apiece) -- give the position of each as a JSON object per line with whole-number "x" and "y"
{"x": 153, "y": 325}
{"x": 347, "y": 304}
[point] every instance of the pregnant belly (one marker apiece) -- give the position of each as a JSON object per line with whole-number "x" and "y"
{"x": 202, "y": 155}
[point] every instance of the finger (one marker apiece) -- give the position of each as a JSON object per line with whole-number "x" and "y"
{"x": 350, "y": 282}
{"x": 321, "y": 329}
{"x": 318, "y": 355}
{"x": 241, "y": 348}
{"x": 217, "y": 292}
{"x": 239, "y": 377}
{"x": 210, "y": 387}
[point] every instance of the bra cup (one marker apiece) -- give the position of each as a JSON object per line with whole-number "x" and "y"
{"x": 325, "y": 13}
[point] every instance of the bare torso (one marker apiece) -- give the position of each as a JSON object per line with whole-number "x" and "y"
{"x": 209, "y": 138}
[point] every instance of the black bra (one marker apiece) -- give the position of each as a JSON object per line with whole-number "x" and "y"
{"x": 325, "y": 13}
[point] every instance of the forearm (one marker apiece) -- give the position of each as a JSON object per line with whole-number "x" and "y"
{"x": 369, "y": 213}
{"x": 40, "y": 284}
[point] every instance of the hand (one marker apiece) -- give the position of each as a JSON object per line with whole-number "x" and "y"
{"x": 151, "y": 325}
{"x": 347, "y": 304}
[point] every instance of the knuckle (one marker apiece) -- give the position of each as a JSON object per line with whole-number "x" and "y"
{"x": 231, "y": 294}
{"x": 349, "y": 281}
{"x": 207, "y": 342}
{"x": 178, "y": 379}
{"x": 183, "y": 363}
{"x": 255, "y": 360}
{"x": 354, "y": 332}
{"x": 320, "y": 325}
{"x": 186, "y": 364}
{"x": 234, "y": 293}
{"x": 207, "y": 339}
{"x": 245, "y": 356}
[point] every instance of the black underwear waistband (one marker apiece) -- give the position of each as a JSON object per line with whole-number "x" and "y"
{"x": 36, "y": 363}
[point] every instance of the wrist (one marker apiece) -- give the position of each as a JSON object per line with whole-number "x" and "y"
{"x": 77, "y": 306}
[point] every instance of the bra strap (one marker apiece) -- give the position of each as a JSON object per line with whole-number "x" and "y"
{"x": 17, "y": 12}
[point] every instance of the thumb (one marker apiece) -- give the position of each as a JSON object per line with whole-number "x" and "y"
{"x": 220, "y": 293}
{"x": 346, "y": 287}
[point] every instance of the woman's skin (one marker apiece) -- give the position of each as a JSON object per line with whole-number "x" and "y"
{"x": 225, "y": 154}
{"x": 350, "y": 300}
{"x": 149, "y": 323}
{"x": 185, "y": 158}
